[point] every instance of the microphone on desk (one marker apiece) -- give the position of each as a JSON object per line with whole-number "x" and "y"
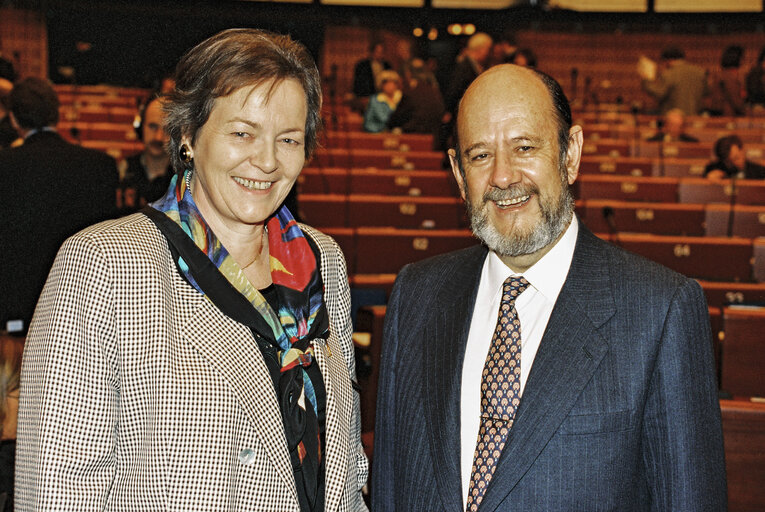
{"x": 610, "y": 217}
{"x": 732, "y": 209}
{"x": 660, "y": 127}
{"x": 574, "y": 81}
{"x": 635, "y": 110}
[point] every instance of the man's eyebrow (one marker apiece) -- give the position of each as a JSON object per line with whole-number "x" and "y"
{"x": 473, "y": 147}
{"x": 518, "y": 139}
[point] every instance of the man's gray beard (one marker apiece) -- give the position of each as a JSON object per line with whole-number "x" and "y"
{"x": 555, "y": 219}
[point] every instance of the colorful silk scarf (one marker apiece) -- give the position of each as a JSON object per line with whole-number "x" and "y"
{"x": 301, "y": 316}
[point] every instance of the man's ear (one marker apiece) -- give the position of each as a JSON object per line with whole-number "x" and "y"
{"x": 574, "y": 153}
{"x": 453, "y": 159}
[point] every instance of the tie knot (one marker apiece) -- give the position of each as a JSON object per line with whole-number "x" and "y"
{"x": 512, "y": 287}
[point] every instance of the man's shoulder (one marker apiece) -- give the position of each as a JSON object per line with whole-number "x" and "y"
{"x": 630, "y": 271}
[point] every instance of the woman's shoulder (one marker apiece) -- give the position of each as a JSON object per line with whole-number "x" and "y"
{"x": 327, "y": 245}
{"x": 134, "y": 233}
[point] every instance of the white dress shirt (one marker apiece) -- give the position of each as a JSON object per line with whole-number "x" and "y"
{"x": 534, "y": 306}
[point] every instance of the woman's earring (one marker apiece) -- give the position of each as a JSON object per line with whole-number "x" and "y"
{"x": 185, "y": 154}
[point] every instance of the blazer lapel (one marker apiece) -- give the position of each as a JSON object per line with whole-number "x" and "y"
{"x": 444, "y": 347}
{"x": 570, "y": 352}
{"x": 231, "y": 350}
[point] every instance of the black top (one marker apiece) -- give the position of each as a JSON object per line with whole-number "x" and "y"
{"x": 7, "y": 465}
{"x": 50, "y": 190}
{"x": 136, "y": 187}
{"x": 752, "y": 171}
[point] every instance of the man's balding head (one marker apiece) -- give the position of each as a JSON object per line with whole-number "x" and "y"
{"x": 508, "y": 80}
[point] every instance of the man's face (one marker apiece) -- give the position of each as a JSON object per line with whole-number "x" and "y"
{"x": 154, "y": 136}
{"x": 515, "y": 184}
{"x": 673, "y": 123}
{"x": 738, "y": 157}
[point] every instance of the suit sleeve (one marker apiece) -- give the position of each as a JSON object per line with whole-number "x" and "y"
{"x": 69, "y": 388}
{"x": 682, "y": 433}
{"x": 383, "y": 488}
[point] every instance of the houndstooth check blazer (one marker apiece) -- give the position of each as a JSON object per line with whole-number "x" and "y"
{"x": 138, "y": 394}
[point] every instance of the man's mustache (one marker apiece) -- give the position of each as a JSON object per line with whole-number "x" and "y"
{"x": 510, "y": 193}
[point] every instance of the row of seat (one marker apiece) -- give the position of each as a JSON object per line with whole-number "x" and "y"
{"x": 590, "y": 185}
{"x": 380, "y": 250}
{"x": 600, "y": 215}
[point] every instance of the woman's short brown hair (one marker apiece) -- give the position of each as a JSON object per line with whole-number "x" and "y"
{"x": 228, "y": 61}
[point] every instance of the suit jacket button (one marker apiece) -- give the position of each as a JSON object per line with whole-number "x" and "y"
{"x": 247, "y": 456}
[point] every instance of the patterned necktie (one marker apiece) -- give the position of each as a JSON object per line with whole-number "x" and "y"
{"x": 500, "y": 391}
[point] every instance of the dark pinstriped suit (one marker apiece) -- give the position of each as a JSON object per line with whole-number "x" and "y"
{"x": 620, "y": 410}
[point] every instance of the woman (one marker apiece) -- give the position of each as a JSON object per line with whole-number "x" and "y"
{"x": 198, "y": 356}
{"x": 382, "y": 105}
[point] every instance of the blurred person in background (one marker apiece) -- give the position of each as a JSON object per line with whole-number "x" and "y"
{"x": 51, "y": 189}
{"x": 382, "y": 104}
{"x": 145, "y": 176}
{"x": 421, "y": 105}
{"x": 732, "y": 162}
{"x": 679, "y": 84}
{"x": 672, "y": 128}
{"x": 755, "y": 81}
{"x": 366, "y": 73}
{"x": 726, "y": 85}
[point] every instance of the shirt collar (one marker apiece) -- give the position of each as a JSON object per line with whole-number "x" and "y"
{"x": 548, "y": 274}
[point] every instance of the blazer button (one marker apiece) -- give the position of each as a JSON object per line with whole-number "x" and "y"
{"x": 247, "y": 456}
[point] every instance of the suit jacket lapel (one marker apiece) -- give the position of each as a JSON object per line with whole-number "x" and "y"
{"x": 230, "y": 348}
{"x": 570, "y": 352}
{"x": 444, "y": 342}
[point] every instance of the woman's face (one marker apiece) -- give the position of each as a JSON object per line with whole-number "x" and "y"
{"x": 249, "y": 153}
{"x": 389, "y": 87}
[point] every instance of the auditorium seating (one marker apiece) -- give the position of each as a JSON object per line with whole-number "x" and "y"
{"x": 386, "y": 250}
{"x": 748, "y": 221}
{"x": 362, "y": 140}
{"x": 336, "y": 180}
{"x": 711, "y": 258}
{"x": 743, "y": 424}
{"x": 702, "y": 190}
{"x": 359, "y": 210}
{"x": 382, "y": 159}
{"x": 743, "y": 351}
{"x": 655, "y": 218}
{"x": 632, "y": 166}
{"x": 626, "y": 188}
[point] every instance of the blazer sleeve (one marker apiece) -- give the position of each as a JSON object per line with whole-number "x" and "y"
{"x": 383, "y": 488}
{"x": 682, "y": 433}
{"x": 357, "y": 448}
{"x": 69, "y": 401}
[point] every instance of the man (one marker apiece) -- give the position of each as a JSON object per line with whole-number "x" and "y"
{"x": 731, "y": 161}
{"x": 147, "y": 175}
{"x": 672, "y": 128}
{"x": 51, "y": 189}
{"x": 470, "y": 63}
{"x": 680, "y": 84}
{"x": 613, "y": 405}
{"x": 365, "y": 71}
